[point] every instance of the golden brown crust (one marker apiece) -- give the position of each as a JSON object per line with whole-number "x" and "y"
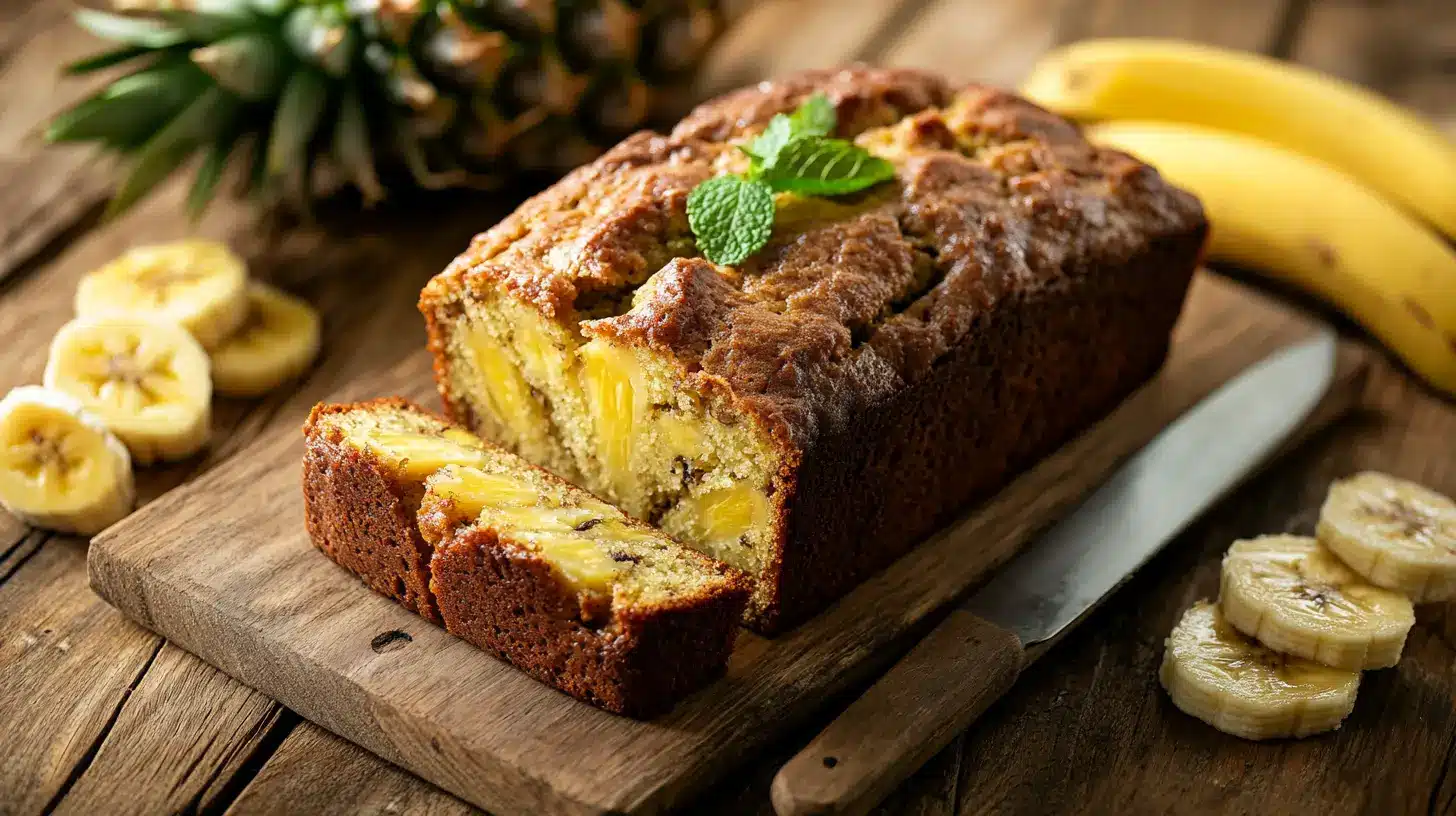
{"x": 636, "y": 660}
{"x": 852, "y": 301}
{"x": 1000, "y": 213}
{"x": 361, "y": 514}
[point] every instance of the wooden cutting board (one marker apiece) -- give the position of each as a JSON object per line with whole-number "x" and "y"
{"x": 223, "y": 568}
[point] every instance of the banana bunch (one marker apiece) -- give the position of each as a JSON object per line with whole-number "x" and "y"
{"x": 1311, "y": 180}
{"x": 131, "y": 378}
{"x": 1298, "y": 619}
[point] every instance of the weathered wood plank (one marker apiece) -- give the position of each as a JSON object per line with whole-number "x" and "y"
{"x": 362, "y": 334}
{"x": 316, "y": 772}
{"x": 1252, "y": 25}
{"x": 1091, "y": 730}
{"x": 151, "y": 743}
{"x": 1406, "y": 49}
{"x": 778, "y": 37}
{"x": 68, "y": 662}
{"x": 991, "y": 42}
{"x": 46, "y": 194}
{"x": 247, "y": 591}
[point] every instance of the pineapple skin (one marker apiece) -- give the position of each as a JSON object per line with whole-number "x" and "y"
{"x": 379, "y": 94}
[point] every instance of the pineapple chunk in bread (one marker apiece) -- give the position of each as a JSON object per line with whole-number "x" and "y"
{"x": 813, "y": 412}
{"x": 515, "y": 560}
{"x": 364, "y": 469}
{"x": 630, "y": 620}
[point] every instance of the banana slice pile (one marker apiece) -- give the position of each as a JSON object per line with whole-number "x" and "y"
{"x": 1299, "y": 618}
{"x": 131, "y": 379}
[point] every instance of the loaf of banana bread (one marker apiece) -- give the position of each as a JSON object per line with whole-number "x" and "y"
{"x": 516, "y": 561}
{"x": 811, "y": 413}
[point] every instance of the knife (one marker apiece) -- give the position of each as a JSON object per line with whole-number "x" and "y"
{"x": 974, "y": 656}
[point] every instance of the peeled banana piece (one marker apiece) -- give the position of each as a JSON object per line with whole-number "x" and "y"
{"x": 1294, "y": 596}
{"x": 277, "y": 342}
{"x": 1398, "y": 534}
{"x": 1213, "y": 672}
{"x": 1385, "y": 147}
{"x": 148, "y": 381}
{"x": 60, "y": 468}
{"x": 1305, "y": 223}
{"x": 199, "y": 285}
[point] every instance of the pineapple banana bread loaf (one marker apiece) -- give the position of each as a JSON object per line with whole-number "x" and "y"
{"x": 811, "y": 413}
{"x": 516, "y": 561}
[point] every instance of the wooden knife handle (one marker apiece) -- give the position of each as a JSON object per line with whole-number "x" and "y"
{"x": 963, "y": 666}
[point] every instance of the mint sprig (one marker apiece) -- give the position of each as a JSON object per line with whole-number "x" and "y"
{"x": 732, "y": 215}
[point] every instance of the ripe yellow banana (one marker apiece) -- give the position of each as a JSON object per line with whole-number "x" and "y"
{"x": 60, "y": 468}
{"x": 1376, "y": 141}
{"x": 1304, "y": 222}
{"x": 276, "y": 343}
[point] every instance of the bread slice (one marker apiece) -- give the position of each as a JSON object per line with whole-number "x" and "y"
{"x": 515, "y": 560}
{"x": 812, "y": 413}
{"x": 364, "y": 470}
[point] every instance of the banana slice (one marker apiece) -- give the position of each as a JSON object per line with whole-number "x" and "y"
{"x": 59, "y": 466}
{"x": 147, "y": 380}
{"x": 1294, "y": 596}
{"x": 200, "y": 285}
{"x": 277, "y": 342}
{"x": 1397, "y": 534}
{"x": 1214, "y": 673}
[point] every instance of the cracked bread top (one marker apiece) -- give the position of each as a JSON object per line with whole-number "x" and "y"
{"x": 853, "y": 298}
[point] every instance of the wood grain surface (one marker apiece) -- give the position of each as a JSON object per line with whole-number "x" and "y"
{"x": 223, "y": 567}
{"x": 1086, "y": 730}
{"x": 959, "y": 670}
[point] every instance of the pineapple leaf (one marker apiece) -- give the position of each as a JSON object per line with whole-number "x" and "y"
{"x": 204, "y": 184}
{"x": 127, "y": 112}
{"x": 138, "y": 31}
{"x": 271, "y": 8}
{"x": 208, "y": 26}
{"x": 106, "y": 59}
{"x": 251, "y": 65}
{"x": 418, "y": 165}
{"x": 321, "y": 36}
{"x": 351, "y": 147}
{"x": 300, "y": 109}
{"x": 172, "y": 145}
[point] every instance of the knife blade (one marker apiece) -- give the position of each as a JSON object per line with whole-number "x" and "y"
{"x": 974, "y": 656}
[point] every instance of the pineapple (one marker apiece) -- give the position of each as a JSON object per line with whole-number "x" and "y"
{"x": 417, "y": 455}
{"x": 318, "y": 92}
{"x": 573, "y": 532}
{"x": 612, "y": 377}
{"x": 721, "y": 519}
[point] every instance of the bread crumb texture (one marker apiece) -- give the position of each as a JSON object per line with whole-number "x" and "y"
{"x": 516, "y": 560}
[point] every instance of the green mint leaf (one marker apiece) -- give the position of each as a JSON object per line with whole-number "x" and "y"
{"x": 765, "y": 146}
{"x": 814, "y": 165}
{"x": 815, "y": 117}
{"x": 731, "y": 216}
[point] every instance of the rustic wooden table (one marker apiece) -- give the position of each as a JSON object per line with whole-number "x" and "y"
{"x": 100, "y": 716}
